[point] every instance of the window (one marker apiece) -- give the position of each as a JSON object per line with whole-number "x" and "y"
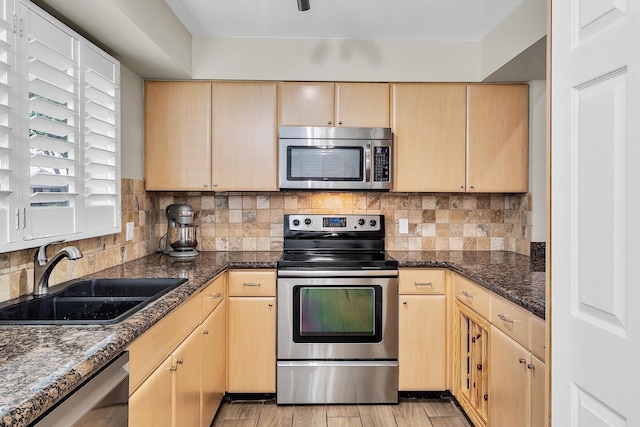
{"x": 61, "y": 152}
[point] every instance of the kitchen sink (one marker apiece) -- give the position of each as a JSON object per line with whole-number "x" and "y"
{"x": 90, "y": 301}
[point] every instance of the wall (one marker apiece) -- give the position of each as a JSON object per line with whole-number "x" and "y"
{"x": 538, "y": 158}
{"x": 254, "y": 221}
{"x": 335, "y": 60}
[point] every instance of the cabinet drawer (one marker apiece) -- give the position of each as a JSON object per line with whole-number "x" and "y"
{"x": 510, "y": 319}
{"x": 472, "y": 295}
{"x": 212, "y": 295}
{"x": 252, "y": 283}
{"x": 538, "y": 335}
{"x": 422, "y": 281}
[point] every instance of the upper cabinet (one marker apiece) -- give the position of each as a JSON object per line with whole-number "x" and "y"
{"x": 244, "y": 121}
{"x": 177, "y": 137}
{"x": 429, "y": 130}
{"x": 204, "y": 136}
{"x": 497, "y": 138}
{"x": 334, "y": 104}
{"x": 457, "y": 138}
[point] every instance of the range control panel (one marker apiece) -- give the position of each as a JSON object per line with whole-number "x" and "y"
{"x": 334, "y": 222}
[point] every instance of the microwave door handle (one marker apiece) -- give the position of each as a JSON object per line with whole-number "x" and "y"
{"x": 367, "y": 162}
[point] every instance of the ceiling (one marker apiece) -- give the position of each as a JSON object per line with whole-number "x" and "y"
{"x": 438, "y": 20}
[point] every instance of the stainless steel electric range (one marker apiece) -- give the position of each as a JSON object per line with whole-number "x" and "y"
{"x": 337, "y": 312}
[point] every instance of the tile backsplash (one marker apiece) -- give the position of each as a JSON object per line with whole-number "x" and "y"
{"x": 254, "y": 221}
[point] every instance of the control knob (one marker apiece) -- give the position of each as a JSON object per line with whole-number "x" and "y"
{"x": 372, "y": 223}
{"x": 307, "y": 221}
{"x": 296, "y": 222}
{"x": 361, "y": 221}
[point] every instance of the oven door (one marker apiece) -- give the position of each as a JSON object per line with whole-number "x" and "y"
{"x": 325, "y": 318}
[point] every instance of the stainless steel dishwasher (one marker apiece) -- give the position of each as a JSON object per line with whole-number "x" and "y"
{"x": 103, "y": 396}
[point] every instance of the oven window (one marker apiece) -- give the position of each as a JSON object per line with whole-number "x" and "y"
{"x": 340, "y": 314}
{"x": 325, "y": 164}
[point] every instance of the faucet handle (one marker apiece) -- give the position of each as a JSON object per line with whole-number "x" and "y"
{"x": 41, "y": 254}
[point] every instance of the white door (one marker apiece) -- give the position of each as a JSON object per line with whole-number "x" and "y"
{"x": 595, "y": 212}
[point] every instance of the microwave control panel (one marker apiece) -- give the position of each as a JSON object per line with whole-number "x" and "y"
{"x": 381, "y": 166}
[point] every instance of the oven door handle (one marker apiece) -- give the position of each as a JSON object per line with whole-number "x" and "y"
{"x": 338, "y": 273}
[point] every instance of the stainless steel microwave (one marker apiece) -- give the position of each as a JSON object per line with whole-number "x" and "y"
{"x": 335, "y": 158}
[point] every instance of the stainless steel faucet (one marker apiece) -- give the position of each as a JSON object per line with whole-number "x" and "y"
{"x": 42, "y": 267}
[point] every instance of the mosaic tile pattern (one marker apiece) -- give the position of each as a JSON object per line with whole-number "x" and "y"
{"x": 437, "y": 221}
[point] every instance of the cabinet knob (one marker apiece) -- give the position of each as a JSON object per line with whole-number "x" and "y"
{"x": 471, "y": 186}
{"x": 486, "y": 397}
{"x": 180, "y": 361}
{"x": 462, "y": 186}
{"x": 204, "y": 185}
{"x": 340, "y": 122}
{"x": 270, "y": 305}
{"x": 329, "y": 122}
{"x": 531, "y": 366}
{"x": 205, "y": 332}
{"x": 404, "y": 302}
{"x": 522, "y": 360}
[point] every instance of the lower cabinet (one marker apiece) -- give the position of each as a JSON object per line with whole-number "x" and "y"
{"x": 213, "y": 331}
{"x": 251, "y": 366}
{"x": 186, "y": 387}
{"x": 517, "y": 384}
{"x": 471, "y": 364}
{"x": 422, "y": 320}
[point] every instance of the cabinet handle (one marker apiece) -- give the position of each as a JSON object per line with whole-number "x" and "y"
{"x": 173, "y": 368}
{"x": 180, "y": 361}
{"x": 522, "y": 360}
{"x": 423, "y": 284}
{"x": 252, "y": 284}
{"x": 467, "y": 294}
{"x": 204, "y": 185}
{"x": 329, "y": 122}
{"x": 504, "y": 318}
{"x": 270, "y": 304}
{"x": 214, "y": 296}
{"x": 471, "y": 186}
{"x": 340, "y": 122}
{"x": 462, "y": 186}
{"x": 205, "y": 332}
{"x": 404, "y": 302}
{"x": 531, "y": 366}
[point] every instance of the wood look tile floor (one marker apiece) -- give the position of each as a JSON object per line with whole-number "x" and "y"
{"x": 408, "y": 413}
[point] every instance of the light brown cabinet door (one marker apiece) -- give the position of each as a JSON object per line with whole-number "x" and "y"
{"x": 498, "y": 138}
{"x": 151, "y": 404}
{"x": 177, "y": 136}
{"x": 428, "y": 121}
{"x": 306, "y": 104}
{"x": 251, "y": 361}
{"x": 214, "y": 351}
{"x": 244, "y": 117}
{"x": 362, "y": 104}
{"x": 187, "y": 361}
{"x": 422, "y": 343}
{"x": 538, "y": 400}
{"x": 509, "y": 382}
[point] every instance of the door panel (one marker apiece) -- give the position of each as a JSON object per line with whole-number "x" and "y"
{"x": 595, "y": 151}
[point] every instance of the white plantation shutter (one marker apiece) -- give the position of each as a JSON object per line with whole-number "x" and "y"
{"x": 53, "y": 88}
{"x": 101, "y": 139}
{"x": 9, "y": 134}
{"x": 59, "y": 132}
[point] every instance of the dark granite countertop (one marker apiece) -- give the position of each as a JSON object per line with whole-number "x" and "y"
{"x": 515, "y": 277}
{"x": 39, "y": 365}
